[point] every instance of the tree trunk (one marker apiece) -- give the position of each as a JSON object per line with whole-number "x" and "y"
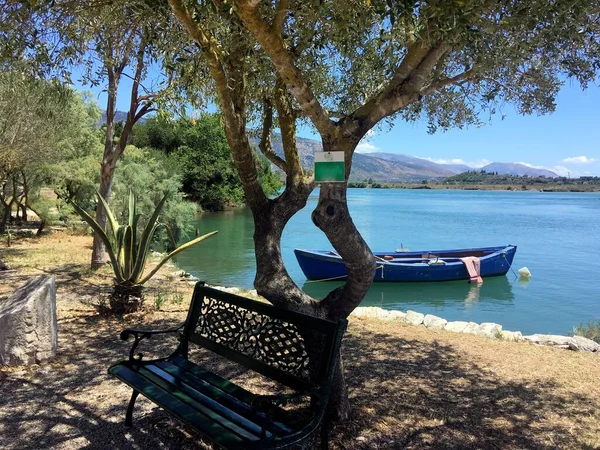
{"x": 41, "y": 227}
{"x": 6, "y": 216}
{"x": 272, "y": 280}
{"x": 106, "y": 178}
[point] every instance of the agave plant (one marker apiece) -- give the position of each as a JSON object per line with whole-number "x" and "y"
{"x": 128, "y": 254}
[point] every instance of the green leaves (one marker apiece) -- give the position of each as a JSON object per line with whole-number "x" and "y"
{"x": 128, "y": 256}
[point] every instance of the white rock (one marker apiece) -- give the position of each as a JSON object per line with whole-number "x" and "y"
{"x": 490, "y": 329}
{"x": 472, "y": 328}
{"x": 514, "y": 336}
{"x": 395, "y": 315}
{"x": 178, "y": 274}
{"x": 253, "y": 292}
{"x": 457, "y": 326}
{"x": 549, "y": 339}
{"x": 583, "y": 344}
{"x": 414, "y": 318}
{"x": 28, "y": 326}
{"x": 434, "y": 322}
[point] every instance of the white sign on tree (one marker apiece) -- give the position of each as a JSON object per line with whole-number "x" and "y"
{"x": 329, "y": 167}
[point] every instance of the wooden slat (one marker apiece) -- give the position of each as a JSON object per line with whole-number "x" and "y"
{"x": 214, "y": 379}
{"x": 227, "y": 418}
{"x": 207, "y": 387}
{"x": 215, "y": 431}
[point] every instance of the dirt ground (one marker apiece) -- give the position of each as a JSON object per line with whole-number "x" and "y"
{"x": 410, "y": 387}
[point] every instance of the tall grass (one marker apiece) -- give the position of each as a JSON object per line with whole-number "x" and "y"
{"x": 590, "y": 331}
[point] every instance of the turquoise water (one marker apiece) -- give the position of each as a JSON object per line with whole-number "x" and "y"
{"x": 557, "y": 234}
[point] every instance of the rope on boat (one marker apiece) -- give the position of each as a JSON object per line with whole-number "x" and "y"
{"x": 342, "y": 276}
{"x": 509, "y": 265}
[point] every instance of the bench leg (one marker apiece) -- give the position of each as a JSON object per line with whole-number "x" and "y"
{"x": 325, "y": 435}
{"x": 129, "y": 414}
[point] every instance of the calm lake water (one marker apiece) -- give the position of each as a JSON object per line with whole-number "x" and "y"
{"x": 557, "y": 234}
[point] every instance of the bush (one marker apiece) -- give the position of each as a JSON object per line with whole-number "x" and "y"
{"x": 590, "y": 331}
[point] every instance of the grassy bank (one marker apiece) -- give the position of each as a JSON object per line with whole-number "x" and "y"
{"x": 410, "y": 387}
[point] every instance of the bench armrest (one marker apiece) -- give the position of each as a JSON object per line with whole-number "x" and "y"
{"x": 141, "y": 334}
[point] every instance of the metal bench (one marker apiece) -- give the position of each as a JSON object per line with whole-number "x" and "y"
{"x": 268, "y": 340}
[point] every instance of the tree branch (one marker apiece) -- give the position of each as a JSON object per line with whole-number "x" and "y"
{"x": 272, "y": 43}
{"x": 467, "y": 75}
{"x": 287, "y": 125}
{"x": 232, "y": 104}
{"x": 281, "y": 10}
{"x": 265, "y": 139}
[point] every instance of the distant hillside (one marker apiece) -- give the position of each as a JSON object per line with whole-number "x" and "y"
{"x": 380, "y": 167}
{"x": 517, "y": 169}
{"x": 418, "y": 163}
{"x": 120, "y": 116}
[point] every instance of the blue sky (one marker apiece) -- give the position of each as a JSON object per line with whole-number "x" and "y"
{"x": 566, "y": 142}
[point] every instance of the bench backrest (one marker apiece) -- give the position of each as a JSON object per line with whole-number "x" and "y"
{"x": 266, "y": 339}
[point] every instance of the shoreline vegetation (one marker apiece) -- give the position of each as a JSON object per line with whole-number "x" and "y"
{"x": 488, "y": 181}
{"x": 410, "y": 386}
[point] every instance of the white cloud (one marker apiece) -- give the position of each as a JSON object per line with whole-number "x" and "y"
{"x": 474, "y": 164}
{"x": 366, "y": 147}
{"x": 579, "y": 160}
{"x": 559, "y": 170}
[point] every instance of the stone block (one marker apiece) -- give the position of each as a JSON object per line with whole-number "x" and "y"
{"x": 552, "y": 340}
{"x": 414, "y": 318}
{"x": 489, "y": 329}
{"x": 457, "y": 326}
{"x": 514, "y": 336}
{"x": 395, "y": 315}
{"x": 434, "y": 322}
{"x": 28, "y": 326}
{"x": 472, "y": 328}
{"x": 583, "y": 344}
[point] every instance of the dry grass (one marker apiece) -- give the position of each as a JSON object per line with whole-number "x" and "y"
{"x": 410, "y": 387}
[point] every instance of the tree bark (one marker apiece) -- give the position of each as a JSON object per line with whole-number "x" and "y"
{"x": 106, "y": 169}
{"x": 106, "y": 179}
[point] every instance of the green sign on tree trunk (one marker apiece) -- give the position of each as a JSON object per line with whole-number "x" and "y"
{"x": 329, "y": 166}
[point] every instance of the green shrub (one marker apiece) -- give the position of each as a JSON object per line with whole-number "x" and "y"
{"x": 590, "y": 331}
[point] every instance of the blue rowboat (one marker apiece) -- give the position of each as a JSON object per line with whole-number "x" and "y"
{"x": 428, "y": 265}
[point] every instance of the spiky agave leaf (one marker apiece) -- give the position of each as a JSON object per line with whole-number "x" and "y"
{"x": 114, "y": 225}
{"x": 128, "y": 245}
{"x": 109, "y": 248}
{"x": 174, "y": 252}
{"x": 144, "y": 246}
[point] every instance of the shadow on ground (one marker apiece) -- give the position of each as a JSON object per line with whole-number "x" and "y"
{"x": 413, "y": 394}
{"x": 404, "y": 394}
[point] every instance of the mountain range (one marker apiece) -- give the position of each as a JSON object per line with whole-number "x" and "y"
{"x": 389, "y": 167}
{"x": 395, "y": 168}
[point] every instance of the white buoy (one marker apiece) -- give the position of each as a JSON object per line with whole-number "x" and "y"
{"x": 524, "y": 272}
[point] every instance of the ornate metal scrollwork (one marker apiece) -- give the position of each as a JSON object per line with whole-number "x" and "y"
{"x": 272, "y": 341}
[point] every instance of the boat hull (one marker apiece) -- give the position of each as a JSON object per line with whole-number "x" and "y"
{"x": 434, "y": 265}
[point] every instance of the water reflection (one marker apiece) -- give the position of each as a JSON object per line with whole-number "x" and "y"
{"x": 226, "y": 258}
{"x": 493, "y": 290}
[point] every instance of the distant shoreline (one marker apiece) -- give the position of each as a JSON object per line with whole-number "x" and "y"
{"x": 485, "y": 187}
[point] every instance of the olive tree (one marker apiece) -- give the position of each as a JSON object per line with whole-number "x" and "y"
{"x": 349, "y": 65}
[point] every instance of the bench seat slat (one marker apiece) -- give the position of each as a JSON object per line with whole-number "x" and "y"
{"x": 294, "y": 421}
{"x": 211, "y": 410}
{"x": 207, "y": 389}
{"x": 216, "y": 431}
{"x": 226, "y": 386}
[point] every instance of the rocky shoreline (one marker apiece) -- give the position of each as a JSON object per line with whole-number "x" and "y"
{"x": 485, "y": 329}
